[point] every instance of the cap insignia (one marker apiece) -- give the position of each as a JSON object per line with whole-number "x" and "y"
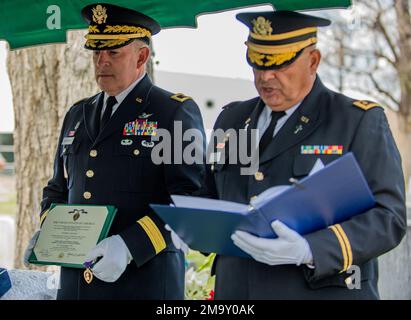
{"x": 99, "y": 14}
{"x": 262, "y": 26}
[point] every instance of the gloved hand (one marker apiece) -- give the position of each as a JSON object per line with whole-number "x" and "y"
{"x": 177, "y": 241}
{"x": 29, "y": 249}
{"x": 115, "y": 258}
{"x": 288, "y": 248}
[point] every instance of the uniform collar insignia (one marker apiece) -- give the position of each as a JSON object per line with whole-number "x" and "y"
{"x": 298, "y": 128}
{"x": 247, "y": 123}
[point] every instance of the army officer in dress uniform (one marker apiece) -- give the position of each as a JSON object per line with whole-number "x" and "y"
{"x": 104, "y": 158}
{"x": 300, "y": 121}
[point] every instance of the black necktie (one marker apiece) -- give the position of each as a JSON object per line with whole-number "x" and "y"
{"x": 111, "y": 101}
{"x": 268, "y": 134}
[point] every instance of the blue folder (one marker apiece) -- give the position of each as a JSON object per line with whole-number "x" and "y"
{"x": 5, "y": 283}
{"x": 331, "y": 195}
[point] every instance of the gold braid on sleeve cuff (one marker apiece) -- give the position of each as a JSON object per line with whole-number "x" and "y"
{"x": 345, "y": 246}
{"x": 153, "y": 233}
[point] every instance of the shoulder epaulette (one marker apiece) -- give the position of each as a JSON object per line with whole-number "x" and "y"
{"x": 228, "y": 106}
{"x": 81, "y": 100}
{"x": 180, "y": 97}
{"x": 365, "y": 105}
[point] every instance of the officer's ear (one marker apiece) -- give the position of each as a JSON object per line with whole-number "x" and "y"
{"x": 315, "y": 58}
{"x": 143, "y": 55}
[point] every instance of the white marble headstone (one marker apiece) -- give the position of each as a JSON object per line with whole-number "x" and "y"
{"x": 7, "y": 241}
{"x": 32, "y": 285}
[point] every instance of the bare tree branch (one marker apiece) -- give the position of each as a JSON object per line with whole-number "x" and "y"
{"x": 383, "y": 100}
{"x": 383, "y": 91}
{"x": 380, "y": 26}
{"x": 380, "y": 55}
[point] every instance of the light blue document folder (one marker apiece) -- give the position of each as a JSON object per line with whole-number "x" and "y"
{"x": 331, "y": 195}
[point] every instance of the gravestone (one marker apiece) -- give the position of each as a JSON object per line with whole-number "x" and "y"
{"x": 32, "y": 285}
{"x": 7, "y": 241}
{"x": 395, "y": 272}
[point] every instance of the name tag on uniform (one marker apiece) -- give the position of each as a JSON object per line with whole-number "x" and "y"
{"x": 67, "y": 141}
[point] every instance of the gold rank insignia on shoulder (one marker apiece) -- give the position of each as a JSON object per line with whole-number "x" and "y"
{"x": 365, "y": 105}
{"x": 180, "y": 97}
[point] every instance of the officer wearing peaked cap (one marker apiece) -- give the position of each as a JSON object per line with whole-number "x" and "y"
{"x": 112, "y": 27}
{"x": 299, "y": 122}
{"x": 104, "y": 158}
{"x": 278, "y": 38}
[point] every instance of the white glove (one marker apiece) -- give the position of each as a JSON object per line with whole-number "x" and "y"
{"x": 115, "y": 258}
{"x": 288, "y": 248}
{"x": 29, "y": 249}
{"x": 178, "y": 243}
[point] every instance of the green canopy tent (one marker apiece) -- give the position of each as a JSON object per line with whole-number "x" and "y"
{"x": 25, "y": 23}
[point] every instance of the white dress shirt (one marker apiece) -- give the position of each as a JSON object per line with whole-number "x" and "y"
{"x": 120, "y": 97}
{"x": 265, "y": 118}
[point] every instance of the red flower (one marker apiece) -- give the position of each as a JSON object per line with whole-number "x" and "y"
{"x": 211, "y": 297}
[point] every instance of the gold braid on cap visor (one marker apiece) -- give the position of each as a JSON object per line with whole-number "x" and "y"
{"x": 273, "y": 59}
{"x": 128, "y": 30}
{"x": 275, "y": 55}
{"x": 91, "y": 43}
{"x": 119, "y": 35}
{"x": 285, "y": 48}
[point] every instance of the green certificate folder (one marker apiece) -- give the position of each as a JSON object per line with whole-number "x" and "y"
{"x": 69, "y": 232}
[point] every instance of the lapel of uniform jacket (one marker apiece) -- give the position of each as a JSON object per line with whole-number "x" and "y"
{"x": 243, "y": 122}
{"x": 91, "y": 114}
{"x": 299, "y": 126}
{"x": 134, "y": 104}
{"x": 253, "y": 121}
{"x": 248, "y": 124}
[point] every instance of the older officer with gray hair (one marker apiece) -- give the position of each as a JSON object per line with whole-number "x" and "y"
{"x": 301, "y": 121}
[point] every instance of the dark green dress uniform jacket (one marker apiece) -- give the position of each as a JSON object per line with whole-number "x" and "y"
{"x": 112, "y": 168}
{"x": 325, "y": 118}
